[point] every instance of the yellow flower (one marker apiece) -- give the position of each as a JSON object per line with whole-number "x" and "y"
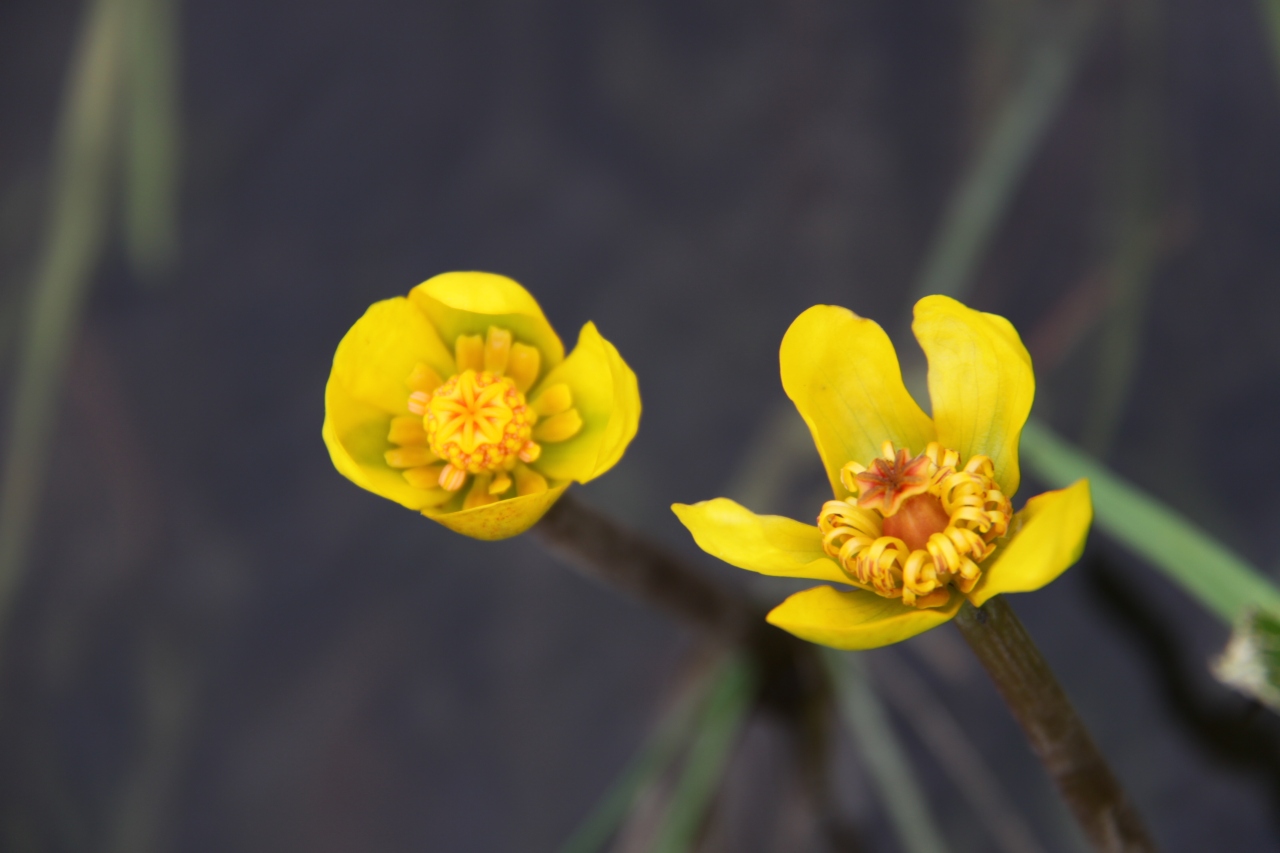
{"x": 458, "y": 401}
{"x": 922, "y": 515}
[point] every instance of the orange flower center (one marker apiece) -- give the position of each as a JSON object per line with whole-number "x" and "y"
{"x": 478, "y": 422}
{"x": 919, "y": 517}
{"x": 919, "y": 524}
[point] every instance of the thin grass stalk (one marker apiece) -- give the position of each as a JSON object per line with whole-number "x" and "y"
{"x": 943, "y": 735}
{"x": 152, "y": 136}
{"x": 718, "y": 731}
{"x": 654, "y": 758}
{"x": 883, "y": 756}
{"x": 987, "y": 188}
{"x": 76, "y": 231}
{"x": 1136, "y": 229}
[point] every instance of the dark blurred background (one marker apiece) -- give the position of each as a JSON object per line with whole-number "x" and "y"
{"x": 217, "y": 643}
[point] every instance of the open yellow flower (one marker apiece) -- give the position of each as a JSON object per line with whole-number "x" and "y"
{"x": 458, "y": 401}
{"x": 922, "y": 516}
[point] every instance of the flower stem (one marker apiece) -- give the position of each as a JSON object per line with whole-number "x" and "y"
{"x": 1056, "y": 733}
{"x": 605, "y": 551}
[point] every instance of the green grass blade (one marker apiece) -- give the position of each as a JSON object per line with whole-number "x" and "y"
{"x": 152, "y": 135}
{"x": 1271, "y": 19}
{"x": 885, "y": 759}
{"x": 988, "y": 186}
{"x": 74, "y": 239}
{"x": 652, "y": 761}
{"x": 718, "y": 729}
{"x": 1201, "y": 565}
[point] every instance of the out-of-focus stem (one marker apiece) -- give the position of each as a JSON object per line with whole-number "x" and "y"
{"x": 602, "y": 549}
{"x": 1056, "y": 733}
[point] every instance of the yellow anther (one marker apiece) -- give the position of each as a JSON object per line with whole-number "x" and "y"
{"x": 937, "y": 598}
{"x": 529, "y": 481}
{"x": 423, "y": 378}
{"x": 530, "y": 452}
{"x": 497, "y": 349}
{"x": 887, "y": 451}
{"x": 500, "y": 483}
{"x": 418, "y": 402}
{"x": 426, "y": 477}
{"x": 944, "y": 553}
{"x": 406, "y": 429}
{"x": 523, "y": 365}
{"x": 479, "y": 494}
{"x": 468, "y": 351}
{"x": 452, "y": 478}
{"x": 556, "y": 399}
{"x": 849, "y": 474}
{"x": 559, "y": 427}
{"x": 413, "y": 456}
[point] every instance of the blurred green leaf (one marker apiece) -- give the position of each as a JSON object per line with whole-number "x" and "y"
{"x": 882, "y": 755}
{"x": 653, "y": 759}
{"x": 719, "y": 726}
{"x": 1200, "y": 564}
{"x": 1251, "y": 661}
{"x": 74, "y": 237}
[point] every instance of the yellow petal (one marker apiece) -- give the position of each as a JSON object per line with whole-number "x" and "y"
{"x": 380, "y": 352}
{"x": 606, "y": 396}
{"x": 1045, "y": 539}
{"x": 358, "y": 456}
{"x": 366, "y": 388}
{"x": 842, "y": 373}
{"x": 768, "y": 544}
{"x": 856, "y": 620}
{"x": 980, "y": 382}
{"x": 468, "y": 303}
{"x": 502, "y": 519}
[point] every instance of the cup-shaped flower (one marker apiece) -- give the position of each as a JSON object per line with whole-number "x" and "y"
{"x": 459, "y": 402}
{"x": 922, "y": 515}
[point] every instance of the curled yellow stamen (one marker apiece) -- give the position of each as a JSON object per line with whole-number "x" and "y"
{"x": 951, "y": 515}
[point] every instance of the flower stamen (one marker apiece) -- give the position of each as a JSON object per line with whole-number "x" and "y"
{"x": 918, "y": 525}
{"x": 477, "y": 424}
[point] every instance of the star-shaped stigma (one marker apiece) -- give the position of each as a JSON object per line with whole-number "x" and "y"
{"x": 473, "y": 415}
{"x": 889, "y": 482}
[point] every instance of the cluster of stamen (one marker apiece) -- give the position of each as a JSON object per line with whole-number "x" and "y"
{"x": 918, "y": 524}
{"x": 477, "y": 424}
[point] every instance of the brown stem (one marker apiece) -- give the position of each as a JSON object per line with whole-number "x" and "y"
{"x": 604, "y": 550}
{"x": 1057, "y": 735}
